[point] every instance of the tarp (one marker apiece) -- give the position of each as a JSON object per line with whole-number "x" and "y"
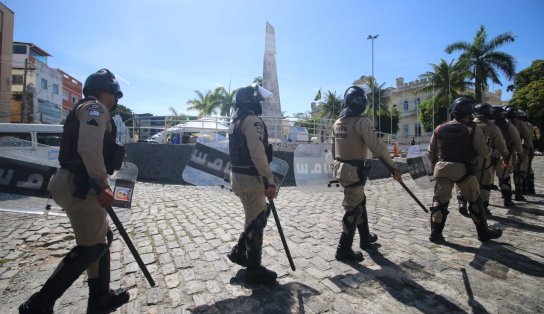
{"x": 196, "y": 126}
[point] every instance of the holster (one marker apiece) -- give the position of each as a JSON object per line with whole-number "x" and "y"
{"x": 81, "y": 179}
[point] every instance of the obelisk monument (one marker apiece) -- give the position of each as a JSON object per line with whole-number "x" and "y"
{"x": 271, "y": 106}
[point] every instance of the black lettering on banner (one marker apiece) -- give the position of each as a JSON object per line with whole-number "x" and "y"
{"x": 416, "y": 166}
{"x": 25, "y": 178}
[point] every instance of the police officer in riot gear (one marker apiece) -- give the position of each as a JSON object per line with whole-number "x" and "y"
{"x": 88, "y": 153}
{"x": 522, "y": 162}
{"x": 485, "y": 167}
{"x": 513, "y": 144}
{"x": 454, "y": 145}
{"x": 529, "y": 182}
{"x": 353, "y": 136}
{"x": 251, "y": 180}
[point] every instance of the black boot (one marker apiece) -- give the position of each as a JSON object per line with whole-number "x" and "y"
{"x": 480, "y": 220}
{"x": 439, "y": 213}
{"x": 507, "y": 196}
{"x": 462, "y": 205}
{"x": 366, "y": 238}
{"x": 102, "y": 299}
{"x": 531, "y": 183}
{"x": 344, "y": 251}
{"x": 238, "y": 254}
{"x": 519, "y": 195}
{"x": 486, "y": 208}
{"x": 256, "y": 273}
{"x": 69, "y": 269}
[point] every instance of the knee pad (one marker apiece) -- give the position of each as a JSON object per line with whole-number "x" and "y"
{"x": 87, "y": 254}
{"x": 259, "y": 222}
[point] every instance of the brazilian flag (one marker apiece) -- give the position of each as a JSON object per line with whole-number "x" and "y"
{"x": 318, "y": 95}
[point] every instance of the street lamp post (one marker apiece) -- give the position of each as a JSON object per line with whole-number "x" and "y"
{"x": 391, "y": 116}
{"x": 373, "y": 80}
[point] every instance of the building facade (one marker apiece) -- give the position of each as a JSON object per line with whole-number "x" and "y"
{"x": 6, "y": 44}
{"x": 71, "y": 93}
{"x": 406, "y": 99}
{"x": 38, "y": 91}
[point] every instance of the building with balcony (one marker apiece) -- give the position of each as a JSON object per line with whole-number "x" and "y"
{"x": 6, "y": 44}
{"x": 405, "y": 98}
{"x": 71, "y": 93}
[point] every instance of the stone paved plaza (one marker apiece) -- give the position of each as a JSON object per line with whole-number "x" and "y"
{"x": 184, "y": 232}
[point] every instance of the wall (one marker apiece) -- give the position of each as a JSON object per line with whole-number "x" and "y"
{"x": 165, "y": 163}
{"x": 6, "y": 49}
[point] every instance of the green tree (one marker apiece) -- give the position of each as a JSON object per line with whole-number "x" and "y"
{"x": 224, "y": 100}
{"x": 484, "y": 59}
{"x": 446, "y": 81}
{"x": 176, "y": 117}
{"x": 258, "y": 80}
{"x": 529, "y": 92}
{"x": 205, "y": 103}
{"x": 124, "y": 112}
{"x": 330, "y": 106}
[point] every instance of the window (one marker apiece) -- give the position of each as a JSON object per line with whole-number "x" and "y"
{"x": 418, "y": 129}
{"x": 64, "y": 95}
{"x": 44, "y": 83}
{"x": 74, "y": 100}
{"x": 19, "y": 49}
{"x": 406, "y": 106}
{"x": 17, "y": 79}
{"x": 405, "y": 129}
{"x": 16, "y": 139}
{"x": 55, "y": 88}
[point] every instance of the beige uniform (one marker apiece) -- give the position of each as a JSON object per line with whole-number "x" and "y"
{"x": 514, "y": 148}
{"x": 485, "y": 167}
{"x": 447, "y": 173}
{"x": 353, "y": 137}
{"x": 250, "y": 189}
{"x": 526, "y": 143}
{"x": 87, "y": 217}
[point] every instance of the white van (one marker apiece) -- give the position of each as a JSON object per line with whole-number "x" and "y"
{"x": 31, "y": 142}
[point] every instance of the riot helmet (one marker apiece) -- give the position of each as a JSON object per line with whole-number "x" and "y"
{"x": 483, "y": 111}
{"x": 521, "y": 115}
{"x": 462, "y": 107}
{"x": 101, "y": 81}
{"x": 498, "y": 115}
{"x": 354, "y": 103}
{"x": 250, "y": 98}
{"x": 511, "y": 112}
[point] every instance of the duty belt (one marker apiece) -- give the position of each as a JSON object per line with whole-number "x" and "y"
{"x": 250, "y": 171}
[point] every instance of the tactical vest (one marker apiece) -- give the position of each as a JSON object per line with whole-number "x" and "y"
{"x": 70, "y": 159}
{"x": 455, "y": 142}
{"x": 506, "y": 135}
{"x": 240, "y": 158}
{"x": 347, "y": 142}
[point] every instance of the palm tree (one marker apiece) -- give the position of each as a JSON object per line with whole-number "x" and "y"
{"x": 258, "y": 80}
{"x": 446, "y": 80}
{"x": 225, "y": 100}
{"x": 206, "y": 103}
{"x": 484, "y": 59}
{"x": 331, "y": 107}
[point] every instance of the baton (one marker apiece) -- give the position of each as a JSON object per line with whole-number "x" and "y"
{"x": 405, "y": 187}
{"x": 280, "y": 230}
{"x": 125, "y": 236}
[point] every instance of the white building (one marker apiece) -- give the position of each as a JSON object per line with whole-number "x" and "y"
{"x": 43, "y": 85}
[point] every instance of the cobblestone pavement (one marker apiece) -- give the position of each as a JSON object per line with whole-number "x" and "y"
{"x": 184, "y": 232}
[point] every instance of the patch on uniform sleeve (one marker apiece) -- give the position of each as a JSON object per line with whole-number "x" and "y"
{"x": 258, "y": 127}
{"x": 92, "y": 122}
{"x": 95, "y": 110}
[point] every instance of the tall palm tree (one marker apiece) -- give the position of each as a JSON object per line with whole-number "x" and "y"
{"x": 205, "y": 103}
{"x": 485, "y": 60}
{"x": 331, "y": 106}
{"x": 258, "y": 80}
{"x": 446, "y": 80}
{"x": 225, "y": 100}
{"x": 381, "y": 94}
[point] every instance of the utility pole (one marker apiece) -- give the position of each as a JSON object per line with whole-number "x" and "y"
{"x": 23, "y": 99}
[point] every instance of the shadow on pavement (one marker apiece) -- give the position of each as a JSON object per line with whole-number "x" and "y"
{"x": 275, "y": 298}
{"x": 475, "y": 305}
{"x": 498, "y": 252}
{"x": 515, "y": 223}
{"x": 399, "y": 285}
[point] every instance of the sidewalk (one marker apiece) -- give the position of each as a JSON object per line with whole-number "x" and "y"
{"x": 184, "y": 232}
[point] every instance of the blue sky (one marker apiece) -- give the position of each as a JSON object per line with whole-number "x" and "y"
{"x": 163, "y": 50}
